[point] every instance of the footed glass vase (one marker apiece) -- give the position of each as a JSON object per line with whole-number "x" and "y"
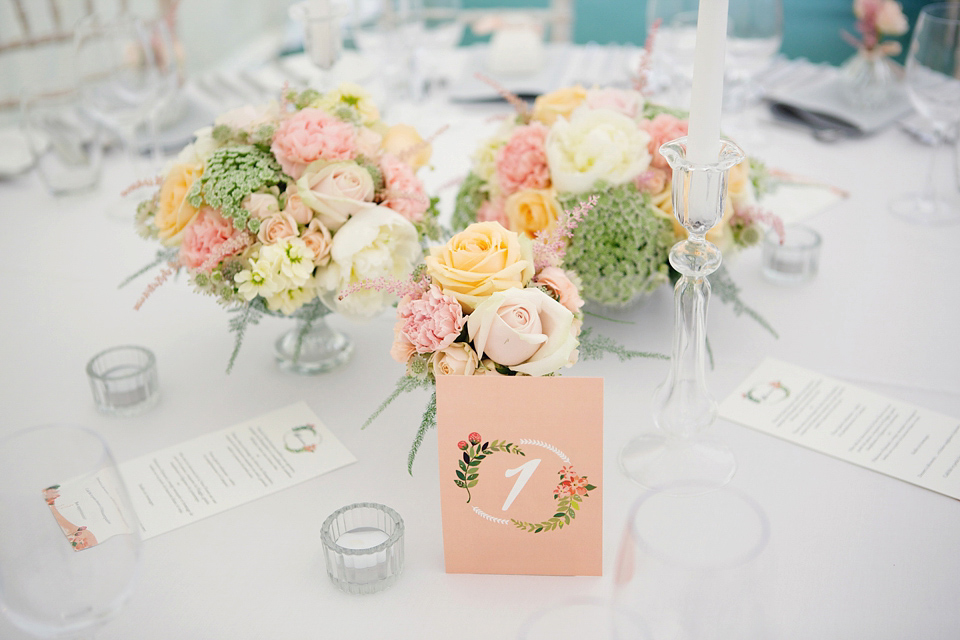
{"x": 312, "y": 346}
{"x": 867, "y": 80}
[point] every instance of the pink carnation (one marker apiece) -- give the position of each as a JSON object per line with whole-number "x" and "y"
{"x": 312, "y": 134}
{"x": 430, "y": 322}
{"x": 405, "y": 193}
{"x": 493, "y": 211}
{"x": 663, "y": 128}
{"x": 522, "y": 162}
{"x": 204, "y": 236}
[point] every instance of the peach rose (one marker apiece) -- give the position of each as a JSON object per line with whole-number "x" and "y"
{"x": 525, "y": 330}
{"x": 481, "y": 260}
{"x": 335, "y": 191}
{"x": 277, "y": 227}
{"x": 402, "y": 349}
{"x": 295, "y": 207}
{"x": 261, "y": 205}
{"x": 405, "y": 142}
{"x": 532, "y": 210}
{"x": 174, "y": 213}
{"x": 318, "y": 239}
{"x": 561, "y": 286}
{"x": 560, "y": 103}
{"x": 458, "y": 359}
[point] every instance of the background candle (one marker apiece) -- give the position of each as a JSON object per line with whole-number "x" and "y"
{"x": 703, "y": 139}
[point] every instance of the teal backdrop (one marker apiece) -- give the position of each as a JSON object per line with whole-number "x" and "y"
{"x": 811, "y": 27}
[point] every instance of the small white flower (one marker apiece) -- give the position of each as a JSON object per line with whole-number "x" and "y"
{"x": 254, "y": 282}
{"x": 289, "y": 300}
{"x": 297, "y": 261}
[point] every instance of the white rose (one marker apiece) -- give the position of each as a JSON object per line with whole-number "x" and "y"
{"x": 596, "y": 144}
{"x": 525, "y": 330}
{"x": 376, "y": 242}
{"x": 335, "y": 190}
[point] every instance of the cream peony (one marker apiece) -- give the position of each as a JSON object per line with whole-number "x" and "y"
{"x": 596, "y": 144}
{"x": 376, "y": 242}
{"x": 525, "y": 330}
{"x": 335, "y": 191}
{"x": 480, "y": 260}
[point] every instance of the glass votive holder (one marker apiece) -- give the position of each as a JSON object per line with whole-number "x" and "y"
{"x": 796, "y": 260}
{"x": 363, "y": 547}
{"x": 124, "y": 380}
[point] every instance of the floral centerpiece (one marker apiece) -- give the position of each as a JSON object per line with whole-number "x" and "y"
{"x": 869, "y": 76}
{"x": 601, "y": 143}
{"x": 275, "y": 209}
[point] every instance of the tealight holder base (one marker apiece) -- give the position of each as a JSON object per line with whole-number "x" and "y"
{"x": 678, "y": 466}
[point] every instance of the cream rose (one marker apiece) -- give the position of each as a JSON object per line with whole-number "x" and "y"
{"x": 317, "y": 237}
{"x": 174, "y": 213}
{"x": 558, "y": 104}
{"x": 596, "y": 144}
{"x": 261, "y": 205}
{"x": 525, "y": 330}
{"x": 277, "y": 227}
{"x": 405, "y": 142}
{"x": 458, "y": 359}
{"x": 335, "y": 191}
{"x": 481, "y": 260}
{"x": 532, "y": 210}
{"x": 376, "y": 242}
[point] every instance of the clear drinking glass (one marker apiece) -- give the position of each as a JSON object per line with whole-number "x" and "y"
{"x": 933, "y": 84}
{"x": 385, "y": 31}
{"x": 363, "y": 547}
{"x": 60, "y": 578}
{"x": 439, "y": 30}
{"x": 673, "y": 49}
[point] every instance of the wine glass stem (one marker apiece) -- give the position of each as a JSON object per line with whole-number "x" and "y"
{"x": 930, "y": 188}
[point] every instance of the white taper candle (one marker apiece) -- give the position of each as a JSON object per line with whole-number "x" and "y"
{"x": 703, "y": 139}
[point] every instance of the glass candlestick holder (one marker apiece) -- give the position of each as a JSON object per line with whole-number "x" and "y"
{"x": 679, "y": 456}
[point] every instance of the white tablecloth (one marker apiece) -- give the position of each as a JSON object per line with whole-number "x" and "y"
{"x": 856, "y": 554}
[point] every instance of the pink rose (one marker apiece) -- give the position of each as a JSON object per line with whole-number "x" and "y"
{"x": 432, "y": 321}
{"x": 458, "y": 359}
{"x": 295, "y": 207}
{"x": 204, "y": 236}
{"x": 493, "y": 211}
{"x": 525, "y": 330}
{"x": 277, "y": 227}
{"x": 318, "y": 239}
{"x": 561, "y": 286}
{"x": 522, "y": 162}
{"x": 309, "y": 135}
{"x": 368, "y": 142}
{"x": 405, "y": 193}
{"x": 621, "y": 100}
{"x": 662, "y": 128}
{"x": 261, "y": 205}
{"x": 336, "y": 191}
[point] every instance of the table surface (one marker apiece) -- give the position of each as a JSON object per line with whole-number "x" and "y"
{"x": 856, "y": 554}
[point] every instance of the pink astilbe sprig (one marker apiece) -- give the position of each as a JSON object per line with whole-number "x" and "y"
{"x": 154, "y": 181}
{"x": 523, "y": 111}
{"x": 234, "y": 245}
{"x": 752, "y": 214}
{"x": 550, "y": 248}
{"x": 414, "y": 286}
{"x": 162, "y": 277}
{"x": 413, "y": 150}
{"x": 642, "y": 74}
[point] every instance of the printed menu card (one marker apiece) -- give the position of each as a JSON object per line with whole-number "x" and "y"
{"x": 895, "y": 438}
{"x": 199, "y": 478}
{"x": 521, "y": 474}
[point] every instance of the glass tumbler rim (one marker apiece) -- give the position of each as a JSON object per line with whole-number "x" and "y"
{"x": 151, "y": 361}
{"x": 330, "y": 543}
{"x": 938, "y": 10}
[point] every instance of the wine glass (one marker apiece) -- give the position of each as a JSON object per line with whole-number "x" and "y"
{"x": 70, "y": 540}
{"x": 694, "y": 567}
{"x": 126, "y": 70}
{"x": 674, "y": 45}
{"x": 933, "y": 84}
{"x": 439, "y": 29}
{"x": 385, "y": 31}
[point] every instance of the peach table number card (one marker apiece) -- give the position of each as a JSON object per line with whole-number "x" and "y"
{"x": 521, "y": 474}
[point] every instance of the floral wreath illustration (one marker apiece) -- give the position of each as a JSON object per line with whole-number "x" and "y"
{"x": 569, "y": 493}
{"x": 750, "y": 395}
{"x": 307, "y": 447}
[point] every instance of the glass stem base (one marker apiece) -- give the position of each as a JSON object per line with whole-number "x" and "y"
{"x": 312, "y": 348}
{"x": 678, "y": 466}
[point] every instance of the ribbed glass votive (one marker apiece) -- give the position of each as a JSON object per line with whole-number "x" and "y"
{"x": 363, "y": 547}
{"x": 124, "y": 380}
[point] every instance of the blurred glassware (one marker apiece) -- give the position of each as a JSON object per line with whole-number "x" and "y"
{"x": 794, "y": 259}
{"x": 127, "y": 71}
{"x": 66, "y": 144}
{"x": 438, "y": 31}
{"x": 933, "y": 84}
{"x": 52, "y": 585}
{"x": 694, "y": 568}
{"x": 385, "y": 31}
{"x": 323, "y": 38}
{"x": 672, "y": 64}
{"x": 124, "y": 380}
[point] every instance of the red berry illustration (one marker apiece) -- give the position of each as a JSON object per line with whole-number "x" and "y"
{"x": 474, "y": 438}
{"x": 462, "y": 445}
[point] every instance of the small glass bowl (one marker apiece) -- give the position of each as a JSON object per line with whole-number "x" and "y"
{"x": 124, "y": 380}
{"x": 796, "y": 260}
{"x": 363, "y": 547}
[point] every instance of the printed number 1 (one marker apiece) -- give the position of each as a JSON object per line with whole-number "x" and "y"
{"x": 525, "y": 470}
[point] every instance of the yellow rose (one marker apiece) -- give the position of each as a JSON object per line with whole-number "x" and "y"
{"x": 403, "y": 141}
{"x": 550, "y": 106}
{"x": 479, "y": 261}
{"x": 532, "y": 210}
{"x": 174, "y": 213}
